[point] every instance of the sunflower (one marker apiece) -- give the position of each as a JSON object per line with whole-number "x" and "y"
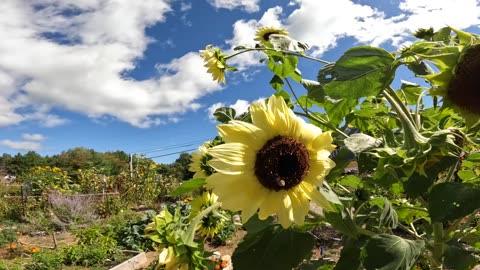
{"x": 215, "y": 62}
{"x": 168, "y": 259}
{"x": 199, "y": 161}
{"x": 457, "y": 59}
{"x": 273, "y": 165}
{"x": 212, "y": 223}
{"x": 262, "y": 34}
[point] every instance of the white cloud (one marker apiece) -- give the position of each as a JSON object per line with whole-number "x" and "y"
{"x": 370, "y": 25}
{"x": 21, "y": 145}
{"x": 33, "y": 137}
{"x": 85, "y": 72}
{"x": 240, "y": 106}
{"x": 247, "y": 5}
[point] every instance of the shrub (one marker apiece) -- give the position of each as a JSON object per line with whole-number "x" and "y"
{"x": 72, "y": 208}
{"x": 131, "y": 236}
{"x": 7, "y": 236}
{"x": 46, "y": 260}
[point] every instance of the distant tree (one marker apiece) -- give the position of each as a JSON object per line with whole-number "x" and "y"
{"x": 181, "y": 165}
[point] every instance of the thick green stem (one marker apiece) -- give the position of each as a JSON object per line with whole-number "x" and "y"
{"x": 412, "y": 137}
{"x": 322, "y": 122}
{"x": 438, "y": 245}
{"x": 285, "y": 52}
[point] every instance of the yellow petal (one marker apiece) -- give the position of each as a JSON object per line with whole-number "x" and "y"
{"x": 285, "y": 213}
{"x": 231, "y": 153}
{"x": 269, "y": 205}
{"x": 315, "y": 196}
{"x": 262, "y": 118}
{"x": 242, "y": 132}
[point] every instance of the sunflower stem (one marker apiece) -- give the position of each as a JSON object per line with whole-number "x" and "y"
{"x": 322, "y": 122}
{"x": 438, "y": 245}
{"x": 282, "y": 51}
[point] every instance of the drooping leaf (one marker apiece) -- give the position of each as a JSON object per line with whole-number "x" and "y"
{"x": 361, "y": 71}
{"x": 411, "y": 91}
{"x": 315, "y": 90}
{"x": 224, "y": 114}
{"x": 391, "y": 252}
{"x": 188, "y": 186}
{"x": 273, "y": 248}
{"x": 450, "y": 201}
{"x": 388, "y": 217}
{"x": 350, "y": 255}
{"x": 276, "y": 82}
{"x": 338, "y": 109}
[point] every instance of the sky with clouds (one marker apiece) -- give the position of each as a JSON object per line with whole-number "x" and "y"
{"x": 127, "y": 75}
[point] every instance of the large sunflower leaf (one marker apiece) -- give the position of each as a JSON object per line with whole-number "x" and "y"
{"x": 361, "y": 71}
{"x": 188, "y": 186}
{"x": 450, "y": 201}
{"x": 391, "y": 252}
{"x": 273, "y": 248}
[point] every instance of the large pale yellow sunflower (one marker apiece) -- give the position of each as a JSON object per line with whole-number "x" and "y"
{"x": 262, "y": 34}
{"x": 215, "y": 62}
{"x": 273, "y": 165}
{"x": 212, "y": 223}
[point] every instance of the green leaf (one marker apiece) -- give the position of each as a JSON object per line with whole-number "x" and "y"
{"x": 254, "y": 224}
{"x": 391, "y": 252}
{"x": 283, "y": 66}
{"x": 412, "y": 91}
{"x": 342, "y": 222}
{"x": 188, "y": 186}
{"x": 276, "y": 82}
{"x": 315, "y": 90}
{"x": 457, "y": 257}
{"x": 273, "y": 248}
{"x": 224, "y": 114}
{"x": 351, "y": 181}
{"x": 338, "y": 109}
{"x": 450, "y": 201}
{"x": 475, "y": 157}
{"x": 360, "y": 142}
{"x": 350, "y": 255}
{"x": 361, "y": 71}
{"x": 388, "y": 217}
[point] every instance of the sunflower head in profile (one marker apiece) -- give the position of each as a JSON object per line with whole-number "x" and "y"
{"x": 273, "y": 165}
{"x": 168, "y": 259}
{"x": 199, "y": 161}
{"x": 214, "y": 61}
{"x": 457, "y": 59}
{"x": 262, "y": 34}
{"x": 213, "y": 222}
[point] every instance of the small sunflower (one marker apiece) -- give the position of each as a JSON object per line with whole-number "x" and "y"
{"x": 262, "y": 34}
{"x": 273, "y": 165}
{"x": 168, "y": 259}
{"x": 215, "y": 62}
{"x": 199, "y": 161}
{"x": 212, "y": 223}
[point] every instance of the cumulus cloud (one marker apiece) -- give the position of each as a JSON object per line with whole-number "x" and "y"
{"x": 367, "y": 24}
{"x": 240, "y": 106}
{"x": 83, "y": 67}
{"x": 247, "y": 5}
{"x": 22, "y": 145}
{"x": 33, "y": 137}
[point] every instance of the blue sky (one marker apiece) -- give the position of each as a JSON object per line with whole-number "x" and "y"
{"x": 126, "y": 75}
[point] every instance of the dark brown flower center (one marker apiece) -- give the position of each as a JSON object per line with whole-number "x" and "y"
{"x": 267, "y": 35}
{"x": 282, "y": 163}
{"x": 464, "y": 87}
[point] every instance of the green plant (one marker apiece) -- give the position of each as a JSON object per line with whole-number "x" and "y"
{"x": 413, "y": 202}
{"x": 131, "y": 236}
{"x": 7, "y": 236}
{"x": 226, "y": 233}
{"x": 46, "y": 260}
